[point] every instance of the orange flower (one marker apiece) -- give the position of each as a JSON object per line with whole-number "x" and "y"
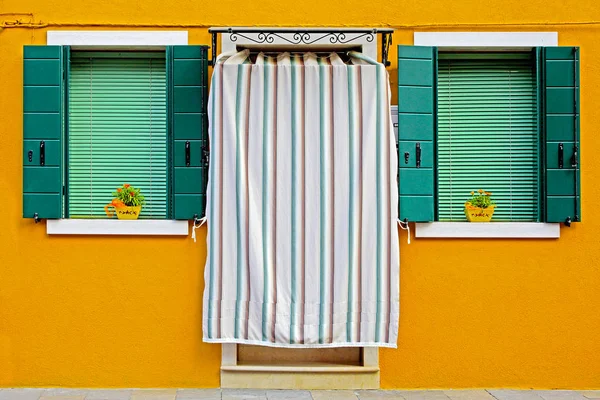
{"x": 119, "y": 190}
{"x": 480, "y": 190}
{"x": 126, "y": 185}
{"x": 488, "y": 193}
{"x": 132, "y": 193}
{"x": 472, "y": 193}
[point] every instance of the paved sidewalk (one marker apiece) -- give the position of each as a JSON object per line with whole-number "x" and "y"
{"x": 235, "y": 394}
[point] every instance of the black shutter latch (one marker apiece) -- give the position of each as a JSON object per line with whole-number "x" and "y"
{"x": 206, "y": 156}
{"x": 561, "y": 152}
{"x": 187, "y": 153}
{"x": 42, "y": 153}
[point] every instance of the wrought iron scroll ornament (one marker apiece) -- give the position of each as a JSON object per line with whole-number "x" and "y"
{"x": 302, "y": 37}
{"x": 307, "y": 37}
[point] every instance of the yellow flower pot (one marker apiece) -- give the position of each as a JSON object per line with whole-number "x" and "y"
{"x": 478, "y": 214}
{"x": 128, "y": 212}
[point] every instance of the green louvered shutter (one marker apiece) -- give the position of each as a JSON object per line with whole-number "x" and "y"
{"x": 117, "y": 131}
{"x": 487, "y": 134}
{"x": 416, "y": 126}
{"x": 42, "y": 131}
{"x": 560, "y": 87}
{"x": 188, "y": 81}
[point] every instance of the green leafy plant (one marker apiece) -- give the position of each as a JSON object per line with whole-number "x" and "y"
{"x": 481, "y": 199}
{"x": 129, "y": 195}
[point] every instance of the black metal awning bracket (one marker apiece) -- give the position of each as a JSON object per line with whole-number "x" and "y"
{"x": 386, "y": 41}
{"x": 213, "y": 49}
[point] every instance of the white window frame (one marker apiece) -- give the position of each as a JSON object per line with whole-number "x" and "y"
{"x": 130, "y": 40}
{"x": 116, "y": 40}
{"x": 482, "y": 41}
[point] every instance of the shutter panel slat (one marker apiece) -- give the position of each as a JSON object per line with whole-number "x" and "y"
{"x": 416, "y": 105}
{"x": 560, "y": 67}
{"x": 189, "y": 87}
{"x": 42, "y": 122}
{"x": 117, "y": 133}
{"x": 487, "y": 136}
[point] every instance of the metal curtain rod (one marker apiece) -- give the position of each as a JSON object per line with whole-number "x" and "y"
{"x": 246, "y": 29}
{"x": 303, "y": 36}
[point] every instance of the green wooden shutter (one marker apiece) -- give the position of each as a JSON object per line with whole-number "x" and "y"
{"x": 487, "y": 134}
{"x": 560, "y": 87}
{"x": 416, "y": 125}
{"x": 42, "y": 131}
{"x": 117, "y": 131}
{"x": 188, "y": 83}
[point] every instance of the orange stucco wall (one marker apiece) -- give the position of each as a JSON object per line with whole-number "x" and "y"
{"x": 126, "y": 312}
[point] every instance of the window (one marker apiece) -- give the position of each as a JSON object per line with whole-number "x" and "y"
{"x": 487, "y": 135}
{"x": 95, "y": 120}
{"x": 503, "y": 122}
{"x": 117, "y": 131}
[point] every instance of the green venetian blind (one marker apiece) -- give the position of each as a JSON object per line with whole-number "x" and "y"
{"x": 117, "y": 131}
{"x": 487, "y": 134}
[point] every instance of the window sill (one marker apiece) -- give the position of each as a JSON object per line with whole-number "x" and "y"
{"x": 116, "y": 227}
{"x": 487, "y": 230}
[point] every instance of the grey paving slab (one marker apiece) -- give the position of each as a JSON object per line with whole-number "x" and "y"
{"x": 422, "y": 394}
{"x": 590, "y": 394}
{"x": 243, "y": 394}
{"x": 108, "y": 394}
{"x": 288, "y": 395}
{"x": 199, "y": 394}
{"x": 64, "y": 392}
{"x": 474, "y": 394}
{"x": 560, "y": 395}
{"x": 242, "y": 397}
{"x": 20, "y": 394}
{"x": 154, "y": 394}
{"x": 57, "y": 392}
{"x": 506, "y": 394}
{"x": 378, "y": 394}
{"x": 333, "y": 395}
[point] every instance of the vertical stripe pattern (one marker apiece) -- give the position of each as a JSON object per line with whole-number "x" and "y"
{"x": 302, "y": 203}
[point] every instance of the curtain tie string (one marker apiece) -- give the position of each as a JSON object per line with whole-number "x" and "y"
{"x": 197, "y": 224}
{"x": 404, "y": 225}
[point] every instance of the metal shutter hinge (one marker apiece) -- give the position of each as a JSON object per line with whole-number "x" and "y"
{"x": 206, "y": 156}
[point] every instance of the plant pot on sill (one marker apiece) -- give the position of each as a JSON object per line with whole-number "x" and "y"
{"x": 128, "y": 212}
{"x": 122, "y": 211}
{"x": 478, "y": 214}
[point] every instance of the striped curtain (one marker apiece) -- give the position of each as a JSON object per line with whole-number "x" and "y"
{"x": 302, "y": 203}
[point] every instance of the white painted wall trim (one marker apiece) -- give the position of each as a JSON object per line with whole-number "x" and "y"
{"x": 475, "y": 230}
{"x": 368, "y": 48}
{"x": 116, "y": 227}
{"x": 508, "y": 40}
{"x": 228, "y": 354}
{"x": 117, "y": 38}
{"x": 371, "y": 357}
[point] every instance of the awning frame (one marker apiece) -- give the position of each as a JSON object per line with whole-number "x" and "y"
{"x": 303, "y": 36}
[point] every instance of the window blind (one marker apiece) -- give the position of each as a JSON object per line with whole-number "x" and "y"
{"x": 117, "y": 131}
{"x": 487, "y": 134}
